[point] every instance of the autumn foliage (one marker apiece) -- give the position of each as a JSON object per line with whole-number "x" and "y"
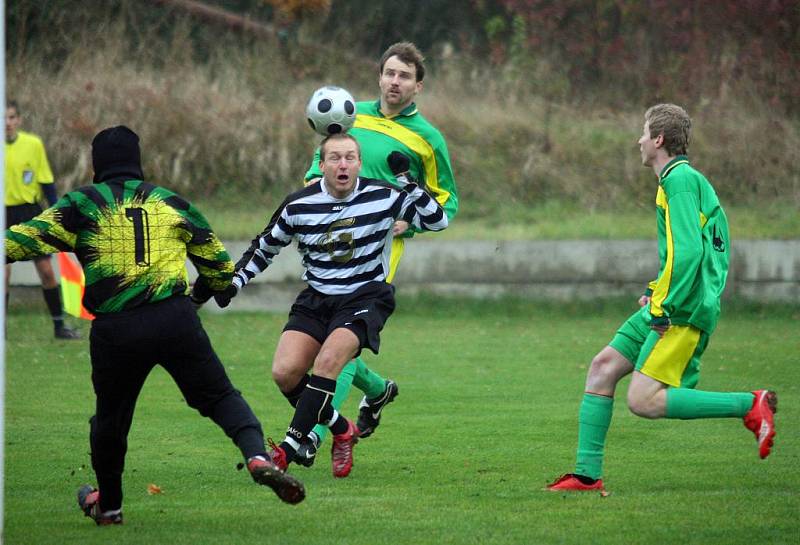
{"x": 655, "y": 48}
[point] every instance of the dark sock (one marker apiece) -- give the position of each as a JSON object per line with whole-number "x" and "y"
{"x": 52, "y": 297}
{"x": 339, "y": 426}
{"x": 293, "y": 396}
{"x": 250, "y": 441}
{"x": 314, "y": 406}
{"x": 288, "y": 450}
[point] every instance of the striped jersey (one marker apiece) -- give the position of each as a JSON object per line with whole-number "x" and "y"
{"x": 132, "y": 239}
{"x": 344, "y": 243}
{"x": 693, "y": 248}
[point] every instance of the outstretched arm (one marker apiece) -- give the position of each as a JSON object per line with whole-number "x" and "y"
{"x": 47, "y": 233}
{"x": 420, "y": 210}
{"x": 259, "y": 255}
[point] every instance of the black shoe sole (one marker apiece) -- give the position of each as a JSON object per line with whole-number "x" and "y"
{"x": 286, "y": 487}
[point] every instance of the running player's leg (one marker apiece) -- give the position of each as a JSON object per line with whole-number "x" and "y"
{"x": 189, "y": 358}
{"x": 118, "y": 374}
{"x": 368, "y": 381}
{"x": 344, "y": 384}
{"x": 315, "y": 403}
{"x": 187, "y": 355}
{"x": 608, "y": 367}
{"x": 663, "y": 387}
{"x": 378, "y": 391}
{"x": 306, "y": 454}
{"x": 355, "y": 323}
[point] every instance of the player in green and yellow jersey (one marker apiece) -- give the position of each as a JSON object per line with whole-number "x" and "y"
{"x": 133, "y": 239}
{"x": 28, "y": 182}
{"x": 662, "y": 343}
{"x": 391, "y": 126}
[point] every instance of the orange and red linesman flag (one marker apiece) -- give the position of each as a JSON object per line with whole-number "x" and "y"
{"x": 72, "y": 286}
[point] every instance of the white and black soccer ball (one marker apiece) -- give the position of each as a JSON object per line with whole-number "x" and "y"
{"x": 331, "y": 110}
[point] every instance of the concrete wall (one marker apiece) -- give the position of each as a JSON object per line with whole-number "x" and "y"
{"x": 584, "y": 269}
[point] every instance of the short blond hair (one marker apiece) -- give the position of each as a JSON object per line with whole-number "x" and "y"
{"x": 337, "y": 136}
{"x": 673, "y": 123}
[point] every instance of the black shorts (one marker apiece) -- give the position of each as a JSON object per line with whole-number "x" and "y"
{"x": 364, "y": 312}
{"x": 21, "y": 213}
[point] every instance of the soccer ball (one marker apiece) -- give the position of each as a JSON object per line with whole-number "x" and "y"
{"x": 331, "y": 110}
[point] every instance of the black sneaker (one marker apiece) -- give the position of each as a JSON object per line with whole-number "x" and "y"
{"x": 369, "y": 410}
{"x": 89, "y": 502}
{"x": 307, "y": 452}
{"x": 65, "y": 332}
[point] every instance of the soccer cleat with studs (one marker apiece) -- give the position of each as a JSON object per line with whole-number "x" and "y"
{"x": 89, "y": 502}
{"x": 760, "y": 420}
{"x": 277, "y": 455}
{"x": 307, "y": 452}
{"x": 571, "y": 482}
{"x": 342, "y": 451}
{"x": 268, "y": 473}
{"x": 369, "y": 410}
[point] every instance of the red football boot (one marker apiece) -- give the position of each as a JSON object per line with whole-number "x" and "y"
{"x": 342, "y": 451}
{"x": 760, "y": 420}
{"x": 569, "y": 482}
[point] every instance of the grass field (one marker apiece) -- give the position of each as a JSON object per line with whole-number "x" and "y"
{"x": 486, "y": 415}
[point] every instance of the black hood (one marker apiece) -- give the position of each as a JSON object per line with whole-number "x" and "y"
{"x": 115, "y": 153}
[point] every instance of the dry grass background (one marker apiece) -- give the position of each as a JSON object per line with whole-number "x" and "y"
{"x": 223, "y": 117}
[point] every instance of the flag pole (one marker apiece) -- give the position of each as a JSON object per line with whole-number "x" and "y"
{"x": 2, "y": 284}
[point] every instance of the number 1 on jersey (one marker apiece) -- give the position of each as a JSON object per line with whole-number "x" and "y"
{"x": 141, "y": 233}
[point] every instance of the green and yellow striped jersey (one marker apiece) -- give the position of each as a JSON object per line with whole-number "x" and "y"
{"x": 410, "y": 133}
{"x": 132, "y": 238}
{"x": 693, "y": 247}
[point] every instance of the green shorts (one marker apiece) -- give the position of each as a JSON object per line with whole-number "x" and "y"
{"x": 673, "y": 359}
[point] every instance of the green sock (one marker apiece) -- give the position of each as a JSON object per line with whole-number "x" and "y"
{"x": 594, "y": 419}
{"x": 686, "y": 404}
{"x": 343, "y": 384}
{"x": 367, "y": 380}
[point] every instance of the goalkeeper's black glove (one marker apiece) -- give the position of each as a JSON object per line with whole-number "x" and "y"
{"x": 200, "y": 293}
{"x": 223, "y": 298}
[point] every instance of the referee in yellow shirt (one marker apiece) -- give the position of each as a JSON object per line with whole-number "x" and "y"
{"x": 29, "y": 179}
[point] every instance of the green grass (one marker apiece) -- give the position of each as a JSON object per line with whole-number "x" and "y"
{"x": 489, "y": 394}
{"x": 552, "y": 220}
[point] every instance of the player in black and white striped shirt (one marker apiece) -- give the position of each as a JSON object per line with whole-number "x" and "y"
{"x": 343, "y": 225}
